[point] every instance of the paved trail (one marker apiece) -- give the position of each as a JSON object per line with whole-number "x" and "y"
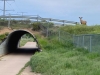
{"x": 28, "y": 71}
{"x": 11, "y": 64}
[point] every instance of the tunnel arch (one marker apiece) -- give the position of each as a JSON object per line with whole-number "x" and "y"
{"x": 13, "y": 39}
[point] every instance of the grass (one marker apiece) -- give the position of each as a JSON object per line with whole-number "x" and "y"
{"x": 80, "y": 29}
{"x": 60, "y": 59}
{"x": 23, "y": 41}
{"x": 3, "y": 36}
{"x": 16, "y": 26}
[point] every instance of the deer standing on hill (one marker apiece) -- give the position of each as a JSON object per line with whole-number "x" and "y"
{"x": 82, "y": 21}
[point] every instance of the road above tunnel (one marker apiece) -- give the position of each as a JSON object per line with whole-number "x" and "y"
{"x": 11, "y": 64}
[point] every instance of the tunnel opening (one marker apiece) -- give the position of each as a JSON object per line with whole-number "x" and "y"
{"x": 13, "y": 43}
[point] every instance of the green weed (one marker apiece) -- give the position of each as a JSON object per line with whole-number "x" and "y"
{"x": 60, "y": 59}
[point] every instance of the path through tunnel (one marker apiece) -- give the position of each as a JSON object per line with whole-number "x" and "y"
{"x": 13, "y": 39}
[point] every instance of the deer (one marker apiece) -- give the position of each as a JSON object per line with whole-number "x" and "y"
{"x": 82, "y": 21}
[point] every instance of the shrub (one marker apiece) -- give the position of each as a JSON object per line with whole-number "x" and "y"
{"x": 3, "y": 37}
{"x": 36, "y": 26}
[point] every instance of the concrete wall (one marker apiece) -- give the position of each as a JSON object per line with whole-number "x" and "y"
{"x": 3, "y": 48}
{"x": 12, "y": 41}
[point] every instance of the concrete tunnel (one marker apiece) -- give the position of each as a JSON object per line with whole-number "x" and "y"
{"x": 12, "y": 43}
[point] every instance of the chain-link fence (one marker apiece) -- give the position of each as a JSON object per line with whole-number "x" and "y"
{"x": 56, "y": 33}
{"x": 90, "y": 42}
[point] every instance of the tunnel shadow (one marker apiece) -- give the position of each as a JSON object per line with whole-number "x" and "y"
{"x": 24, "y": 51}
{"x": 12, "y": 44}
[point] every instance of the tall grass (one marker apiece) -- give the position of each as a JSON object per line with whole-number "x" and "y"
{"x": 80, "y": 29}
{"x": 64, "y": 59}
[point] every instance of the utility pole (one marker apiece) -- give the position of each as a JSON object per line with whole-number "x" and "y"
{"x": 38, "y": 17}
{"x": 4, "y": 8}
{"x": 22, "y": 15}
{"x": 9, "y": 20}
{"x": 63, "y": 22}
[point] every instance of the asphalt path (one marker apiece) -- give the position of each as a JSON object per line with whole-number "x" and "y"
{"x": 11, "y": 64}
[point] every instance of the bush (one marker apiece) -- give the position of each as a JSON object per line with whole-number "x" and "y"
{"x": 3, "y": 22}
{"x": 28, "y": 35}
{"x": 48, "y": 24}
{"x": 36, "y": 26}
{"x": 3, "y": 37}
{"x": 58, "y": 59}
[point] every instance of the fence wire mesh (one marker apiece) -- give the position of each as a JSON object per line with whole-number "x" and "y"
{"x": 90, "y": 42}
{"x": 95, "y": 43}
{"x": 58, "y": 34}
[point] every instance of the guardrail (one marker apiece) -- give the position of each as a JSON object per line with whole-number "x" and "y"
{"x": 40, "y": 18}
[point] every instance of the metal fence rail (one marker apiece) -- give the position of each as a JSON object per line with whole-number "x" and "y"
{"x": 37, "y": 17}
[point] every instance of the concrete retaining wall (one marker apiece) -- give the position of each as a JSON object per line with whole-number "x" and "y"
{"x": 12, "y": 41}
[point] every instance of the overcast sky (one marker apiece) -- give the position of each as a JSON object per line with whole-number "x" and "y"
{"x": 59, "y": 9}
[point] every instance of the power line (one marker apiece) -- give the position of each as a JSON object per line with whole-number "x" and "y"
{"x": 4, "y": 9}
{"x": 1, "y": 4}
{"x": 9, "y": 5}
{"x": 0, "y": 11}
{"x": 17, "y": 6}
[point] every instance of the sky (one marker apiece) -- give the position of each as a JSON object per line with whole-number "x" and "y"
{"x": 69, "y": 10}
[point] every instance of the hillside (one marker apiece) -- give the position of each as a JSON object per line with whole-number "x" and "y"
{"x": 80, "y": 29}
{"x": 63, "y": 58}
{"x": 5, "y": 30}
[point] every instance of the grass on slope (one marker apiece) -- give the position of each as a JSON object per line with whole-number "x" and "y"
{"x": 60, "y": 59}
{"x": 81, "y": 29}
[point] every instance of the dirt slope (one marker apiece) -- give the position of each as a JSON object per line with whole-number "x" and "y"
{"x": 5, "y": 30}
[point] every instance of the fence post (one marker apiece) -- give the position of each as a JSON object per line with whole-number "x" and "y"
{"x": 47, "y": 32}
{"x": 48, "y": 29}
{"x": 59, "y": 35}
{"x": 78, "y": 40}
{"x": 9, "y": 21}
{"x": 73, "y": 39}
{"x": 90, "y": 43}
{"x": 83, "y": 40}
